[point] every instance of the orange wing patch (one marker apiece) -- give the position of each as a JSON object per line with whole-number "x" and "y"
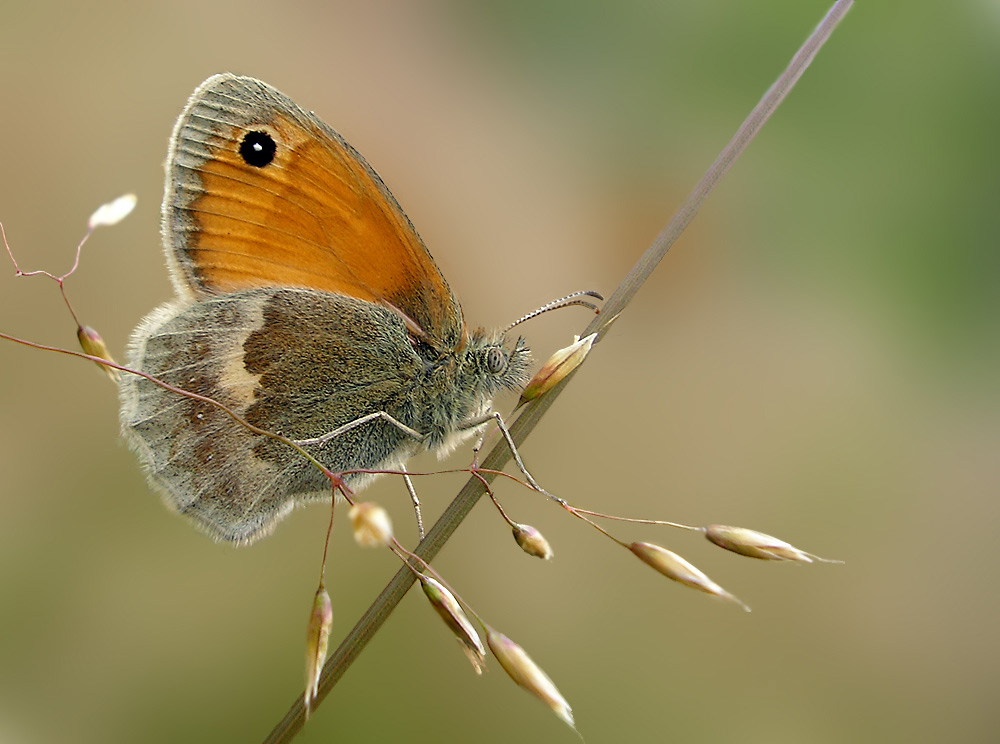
{"x": 316, "y": 216}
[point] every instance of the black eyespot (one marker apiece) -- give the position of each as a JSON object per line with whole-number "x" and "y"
{"x": 257, "y": 149}
{"x": 496, "y": 360}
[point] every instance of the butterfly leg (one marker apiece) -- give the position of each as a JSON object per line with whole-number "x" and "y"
{"x": 416, "y": 505}
{"x": 377, "y": 416}
{"x": 502, "y": 427}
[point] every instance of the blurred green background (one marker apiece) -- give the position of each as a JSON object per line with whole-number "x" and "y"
{"x": 817, "y": 358}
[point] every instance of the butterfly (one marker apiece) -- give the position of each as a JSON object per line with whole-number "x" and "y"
{"x": 305, "y": 302}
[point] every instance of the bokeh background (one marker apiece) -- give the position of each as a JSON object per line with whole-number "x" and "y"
{"x": 817, "y": 358}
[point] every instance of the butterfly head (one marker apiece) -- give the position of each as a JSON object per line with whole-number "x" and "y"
{"x": 493, "y": 363}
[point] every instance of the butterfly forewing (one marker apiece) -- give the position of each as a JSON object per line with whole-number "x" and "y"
{"x": 230, "y": 224}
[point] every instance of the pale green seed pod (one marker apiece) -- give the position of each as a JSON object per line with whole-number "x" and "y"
{"x": 758, "y": 545}
{"x": 680, "y": 570}
{"x": 532, "y": 541}
{"x": 528, "y": 675}
{"x": 450, "y": 610}
{"x": 371, "y": 524}
{"x": 317, "y": 640}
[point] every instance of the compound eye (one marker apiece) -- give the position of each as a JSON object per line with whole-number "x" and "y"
{"x": 496, "y": 360}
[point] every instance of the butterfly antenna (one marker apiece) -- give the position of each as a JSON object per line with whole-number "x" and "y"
{"x": 567, "y": 301}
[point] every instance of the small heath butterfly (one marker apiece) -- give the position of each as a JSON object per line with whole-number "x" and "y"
{"x": 305, "y": 301}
